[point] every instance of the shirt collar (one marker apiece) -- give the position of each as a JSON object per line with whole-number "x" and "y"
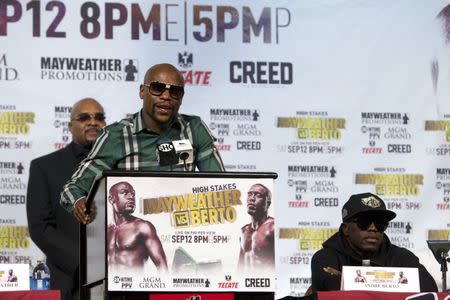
{"x": 138, "y": 123}
{"x": 80, "y": 151}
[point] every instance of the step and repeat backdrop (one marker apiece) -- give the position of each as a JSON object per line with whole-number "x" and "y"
{"x": 337, "y": 97}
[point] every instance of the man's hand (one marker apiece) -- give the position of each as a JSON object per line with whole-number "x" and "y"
{"x": 331, "y": 271}
{"x": 79, "y": 211}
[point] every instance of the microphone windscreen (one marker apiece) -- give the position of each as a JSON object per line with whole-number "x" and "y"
{"x": 166, "y": 154}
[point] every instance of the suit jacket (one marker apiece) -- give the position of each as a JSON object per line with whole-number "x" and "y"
{"x": 51, "y": 227}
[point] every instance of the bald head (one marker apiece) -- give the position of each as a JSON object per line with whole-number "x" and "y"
{"x": 83, "y": 102}
{"x": 86, "y": 120}
{"x": 161, "y": 102}
{"x": 154, "y": 72}
{"x": 122, "y": 197}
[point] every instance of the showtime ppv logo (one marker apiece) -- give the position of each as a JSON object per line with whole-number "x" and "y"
{"x": 89, "y": 69}
{"x": 221, "y": 129}
{"x": 191, "y": 76}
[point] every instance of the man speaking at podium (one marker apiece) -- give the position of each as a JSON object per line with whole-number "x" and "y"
{"x": 132, "y": 143}
{"x": 361, "y": 241}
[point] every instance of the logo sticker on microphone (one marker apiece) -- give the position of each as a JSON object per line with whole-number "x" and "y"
{"x": 166, "y": 147}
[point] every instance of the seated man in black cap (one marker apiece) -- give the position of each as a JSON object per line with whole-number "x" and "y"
{"x": 361, "y": 241}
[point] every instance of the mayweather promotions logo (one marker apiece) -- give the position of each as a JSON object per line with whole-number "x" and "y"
{"x": 298, "y": 285}
{"x": 191, "y": 282}
{"x": 89, "y": 69}
{"x": 233, "y": 114}
{"x": 311, "y": 171}
{"x": 399, "y": 227}
{"x": 384, "y": 118}
{"x": 12, "y": 168}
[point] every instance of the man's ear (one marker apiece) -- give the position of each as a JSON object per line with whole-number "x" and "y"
{"x": 111, "y": 199}
{"x": 345, "y": 229}
{"x": 141, "y": 91}
{"x": 69, "y": 126}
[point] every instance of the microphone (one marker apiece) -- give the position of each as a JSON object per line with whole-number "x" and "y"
{"x": 179, "y": 152}
{"x": 185, "y": 152}
{"x": 166, "y": 155}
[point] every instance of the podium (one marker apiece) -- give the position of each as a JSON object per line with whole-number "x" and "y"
{"x": 159, "y": 233}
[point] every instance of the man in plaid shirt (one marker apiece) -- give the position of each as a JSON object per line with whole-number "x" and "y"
{"x": 131, "y": 143}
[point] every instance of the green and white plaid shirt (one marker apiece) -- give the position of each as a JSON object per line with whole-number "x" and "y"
{"x": 128, "y": 145}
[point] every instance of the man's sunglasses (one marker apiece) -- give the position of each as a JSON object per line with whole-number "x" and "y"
{"x": 157, "y": 88}
{"x": 364, "y": 223}
{"x": 84, "y": 117}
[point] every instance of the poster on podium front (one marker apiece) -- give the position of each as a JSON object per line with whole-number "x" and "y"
{"x": 190, "y": 234}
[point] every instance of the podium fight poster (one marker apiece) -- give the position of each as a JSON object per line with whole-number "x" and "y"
{"x": 190, "y": 234}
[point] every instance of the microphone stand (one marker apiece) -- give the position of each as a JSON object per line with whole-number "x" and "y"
{"x": 444, "y": 270}
{"x": 184, "y": 156}
{"x": 441, "y": 249}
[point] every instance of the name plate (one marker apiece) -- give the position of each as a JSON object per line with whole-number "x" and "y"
{"x": 14, "y": 277}
{"x": 384, "y": 279}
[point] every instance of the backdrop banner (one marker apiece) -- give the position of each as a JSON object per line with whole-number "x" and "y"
{"x": 337, "y": 97}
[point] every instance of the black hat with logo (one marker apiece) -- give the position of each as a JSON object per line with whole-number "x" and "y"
{"x": 366, "y": 203}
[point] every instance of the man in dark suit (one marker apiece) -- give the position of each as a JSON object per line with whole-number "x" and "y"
{"x": 52, "y": 228}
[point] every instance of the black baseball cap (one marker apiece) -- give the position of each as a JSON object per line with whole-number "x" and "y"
{"x": 366, "y": 203}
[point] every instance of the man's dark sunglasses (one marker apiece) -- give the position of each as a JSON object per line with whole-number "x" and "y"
{"x": 83, "y": 117}
{"x": 364, "y": 223}
{"x": 157, "y": 88}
